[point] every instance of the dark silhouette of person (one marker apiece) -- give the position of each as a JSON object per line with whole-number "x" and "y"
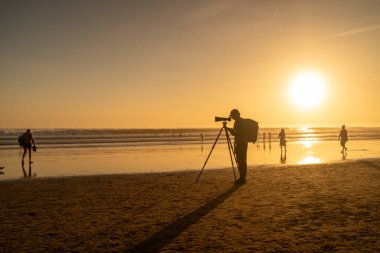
{"x": 343, "y": 138}
{"x": 282, "y": 139}
{"x": 27, "y": 145}
{"x": 264, "y": 140}
{"x": 241, "y": 144}
{"x": 258, "y": 138}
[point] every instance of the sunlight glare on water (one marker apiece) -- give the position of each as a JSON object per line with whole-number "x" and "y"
{"x": 78, "y": 152}
{"x": 304, "y": 129}
{"x": 307, "y": 143}
{"x": 309, "y": 160}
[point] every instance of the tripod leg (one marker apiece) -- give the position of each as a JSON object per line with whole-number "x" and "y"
{"x": 230, "y": 150}
{"x": 204, "y": 165}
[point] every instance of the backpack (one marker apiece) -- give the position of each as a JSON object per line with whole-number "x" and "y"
{"x": 252, "y": 129}
{"x": 21, "y": 140}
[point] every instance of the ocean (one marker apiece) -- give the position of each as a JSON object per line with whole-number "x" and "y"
{"x": 73, "y": 152}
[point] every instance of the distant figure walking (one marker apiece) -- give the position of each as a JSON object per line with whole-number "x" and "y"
{"x": 258, "y": 137}
{"x": 343, "y": 138}
{"x": 27, "y": 140}
{"x": 282, "y": 139}
{"x": 270, "y": 141}
{"x": 264, "y": 140}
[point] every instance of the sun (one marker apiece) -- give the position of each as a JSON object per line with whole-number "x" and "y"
{"x": 307, "y": 90}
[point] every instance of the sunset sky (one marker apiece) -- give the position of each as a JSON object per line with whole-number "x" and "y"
{"x": 147, "y": 64}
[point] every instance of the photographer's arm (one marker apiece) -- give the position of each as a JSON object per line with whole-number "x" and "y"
{"x": 231, "y": 130}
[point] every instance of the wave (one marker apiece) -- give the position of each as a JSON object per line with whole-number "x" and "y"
{"x": 114, "y": 137}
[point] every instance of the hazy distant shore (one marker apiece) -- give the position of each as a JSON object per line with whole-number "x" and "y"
{"x": 292, "y": 208}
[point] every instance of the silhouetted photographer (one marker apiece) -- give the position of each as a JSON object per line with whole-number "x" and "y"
{"x": 241, "y": 143}
{"x": 244, "y": 130}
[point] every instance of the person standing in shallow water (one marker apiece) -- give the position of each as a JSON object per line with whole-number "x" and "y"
{"x": 343, "y": 138}
{"x": 241, "y": 144}
{"x": 264, "y": 140}
{"x": 27, "y": 145}
{"x": 282, "y": 139}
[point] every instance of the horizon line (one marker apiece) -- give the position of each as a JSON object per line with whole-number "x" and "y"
{"x": 194, "y": 127}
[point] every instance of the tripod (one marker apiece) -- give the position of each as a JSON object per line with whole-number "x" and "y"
{"x": 230, "y": 150}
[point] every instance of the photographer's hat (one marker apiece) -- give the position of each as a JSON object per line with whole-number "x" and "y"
{"x": 234, "y": 112}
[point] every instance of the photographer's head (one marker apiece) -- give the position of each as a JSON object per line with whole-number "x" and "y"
{"x": 235, "y": 114}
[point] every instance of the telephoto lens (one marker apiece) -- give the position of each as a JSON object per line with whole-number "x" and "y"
{"x": 217, "y": 119}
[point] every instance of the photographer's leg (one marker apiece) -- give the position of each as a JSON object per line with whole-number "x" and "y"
{"x": 23, "y": 155}
{"x": 241, "y": 156}
{"x": 30, "y": 155}
{"x": 244, "y": 161}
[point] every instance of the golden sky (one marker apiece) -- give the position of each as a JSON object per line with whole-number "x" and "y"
{"x": 146, "y": 64}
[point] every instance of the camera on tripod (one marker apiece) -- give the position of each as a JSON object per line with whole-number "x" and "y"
{"x": 229, "y": 144}
{"x": 218, "y": 119}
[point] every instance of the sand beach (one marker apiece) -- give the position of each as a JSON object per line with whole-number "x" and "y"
{"x": 295, "y": 208}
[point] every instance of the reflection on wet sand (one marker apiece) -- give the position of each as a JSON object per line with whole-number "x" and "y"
{"x": 283, "y": 157}
{"x": 344, "y": 154}
{"x": 309, "y": 160}
{"x": 29, "y": 174}
{"x": 54, "y": 162}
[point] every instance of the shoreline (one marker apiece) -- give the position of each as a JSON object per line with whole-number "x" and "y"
{"x": 331, "y": 206}
{"x": 144, "y": 159}
{"x": 216, "y": 169}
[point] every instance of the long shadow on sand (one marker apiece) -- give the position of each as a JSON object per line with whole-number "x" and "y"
{"x": 159, "y": 239}
{"x": 370, "y": 164}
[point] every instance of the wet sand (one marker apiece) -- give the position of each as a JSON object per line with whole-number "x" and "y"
{"x": 85, "y": 161}
{"x": 304, "y": 208}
